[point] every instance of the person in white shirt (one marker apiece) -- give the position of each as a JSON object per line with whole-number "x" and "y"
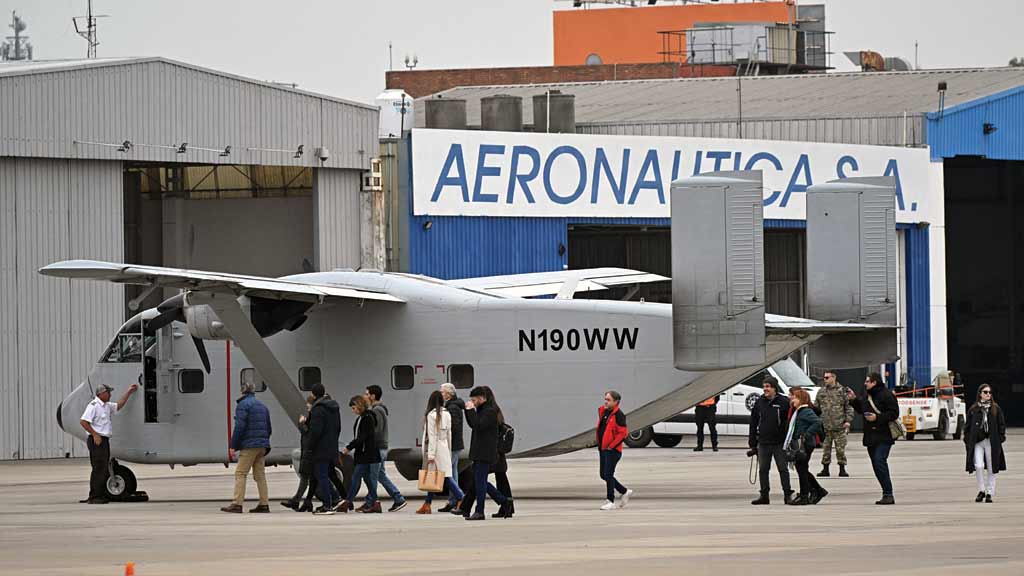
{"x": 97, "y": 422}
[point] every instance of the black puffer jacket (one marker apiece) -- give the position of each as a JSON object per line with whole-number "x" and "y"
{"x": 483, "y": 447}
{"x": 769, "y": 421}
{"x": 456, "y": 407}
{"x": 324, "y": 429}
{"x": 877, "y": 433}
{"x": 364, "y": 441}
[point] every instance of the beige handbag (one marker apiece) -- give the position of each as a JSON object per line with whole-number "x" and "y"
{"x": 431, "y": 479}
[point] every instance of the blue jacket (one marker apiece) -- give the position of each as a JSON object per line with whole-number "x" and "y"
{"x": 252, "y": 424}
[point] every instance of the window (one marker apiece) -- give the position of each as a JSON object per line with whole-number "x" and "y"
{"x": 250, "y": 376}
{"x": 309, "y": 376}
{"x": 190, "y": 381}
{"x": 402, "y": 377}
{"x": 461, "y": 375}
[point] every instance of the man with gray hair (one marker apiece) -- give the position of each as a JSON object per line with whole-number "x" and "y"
{"x": 455, "y": 406}
{"x": 251, "y": 441}
{"x": 96, "y": 420}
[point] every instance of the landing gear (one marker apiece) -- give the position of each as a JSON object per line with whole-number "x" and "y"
{"x": 639, "y": 438}
{"x": 121, "y": 483}
{"x": 668, "y": 440}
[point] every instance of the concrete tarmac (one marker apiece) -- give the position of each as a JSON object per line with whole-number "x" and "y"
{"x": 690, "y": 515}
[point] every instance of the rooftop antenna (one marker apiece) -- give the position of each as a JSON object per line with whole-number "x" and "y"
{"x": 88, "y": 29}
{"x": 17, "y": 47}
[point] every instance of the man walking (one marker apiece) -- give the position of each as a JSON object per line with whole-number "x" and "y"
{"x": 611, "y": 433}
{"x": 455, "y": 407}
{"x": 769, "y": 422}
{"x": 380, "y": 412}
{"x": 96, "y": 420}
{"x": 705, "y": 413}
{"x": 324, "y": 429}
{"x": 250, "y": 441}
{"x": 836, "y": 417}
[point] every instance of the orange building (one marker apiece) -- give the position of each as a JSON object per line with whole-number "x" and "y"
{"x": 630, "y": 35}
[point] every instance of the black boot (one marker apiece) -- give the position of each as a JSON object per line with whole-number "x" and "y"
{"x": 818, "y": 495}
{"x": 714, "y": 447}
{"x": 762, "y": 499}
{"x": 290, "y": 503}
{"x": 789, "y": 497}
{"x": 887, "y": 500}
{"x": 307, "y": 506}
{"x": 979, "y": 497}
{"x": 824, "y": 472}
{"x": 502, "y": 511}
{"x": 699, "y": 448}
{"x": 511, "y": 508}
{"x": 842, "y": 471}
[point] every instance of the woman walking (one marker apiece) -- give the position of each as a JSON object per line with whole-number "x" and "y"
{"x": 984, "y": 434}
{"x": 804, "y": 428}
{"x": 367, "y": 457}
{"x": 437, "y": 446}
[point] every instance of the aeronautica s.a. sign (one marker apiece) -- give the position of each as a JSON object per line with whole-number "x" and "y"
{"x": 477, "y": 173}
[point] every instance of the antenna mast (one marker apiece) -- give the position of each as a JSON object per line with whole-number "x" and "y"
{"x": 88, "y": 31}
{"x": 17, "y": 47}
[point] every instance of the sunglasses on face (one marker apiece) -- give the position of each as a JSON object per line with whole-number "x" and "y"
{"x": 986, "y": 392}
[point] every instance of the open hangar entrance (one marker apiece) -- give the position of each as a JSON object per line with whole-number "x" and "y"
{"x": 985, "y": 284}
{"x": 224, "y": 218}
{"x": 648, "y": 249}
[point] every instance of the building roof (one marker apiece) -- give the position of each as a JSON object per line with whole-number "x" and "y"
{"x": 24, "y": 67}
{"x": 836, "y": 95}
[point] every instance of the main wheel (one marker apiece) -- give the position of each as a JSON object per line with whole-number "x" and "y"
{"x": 959, "y": 428}
{"x": 667, "y": 440}
{"x": 121, "y": 482}
{"x": 943, "y": 429}
{"x": 640, "y": 438}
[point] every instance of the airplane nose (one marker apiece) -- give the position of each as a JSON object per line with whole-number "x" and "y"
{"x": 60, "y": 419}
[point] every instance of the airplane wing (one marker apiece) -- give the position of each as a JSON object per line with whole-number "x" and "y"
{"x": 213, "y": 282}
{"x": 795, "y": 325}
{"x": 562, "y": 283}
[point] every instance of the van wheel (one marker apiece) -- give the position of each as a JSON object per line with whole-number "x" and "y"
{"x": 640, "y": 438}
{"x": 910, "y": 435}
{"x": 943, "y": 429}
{"x": 667, "y": 440}
{"x": 121, "y": 482}
{"x": 959, "y": 428}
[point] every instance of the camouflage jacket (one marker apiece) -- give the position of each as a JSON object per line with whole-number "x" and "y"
{"x": 834, "y": 406}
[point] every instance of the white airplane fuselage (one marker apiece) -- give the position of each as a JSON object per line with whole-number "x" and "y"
{"x": 548, "y": 361}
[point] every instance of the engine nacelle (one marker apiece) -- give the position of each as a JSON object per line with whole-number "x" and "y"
{"x": 203, "y": 322}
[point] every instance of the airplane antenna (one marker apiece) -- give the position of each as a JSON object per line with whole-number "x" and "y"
{"x": 88, "y": 29}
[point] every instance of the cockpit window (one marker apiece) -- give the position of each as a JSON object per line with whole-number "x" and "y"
{"x": 129, "y": 344}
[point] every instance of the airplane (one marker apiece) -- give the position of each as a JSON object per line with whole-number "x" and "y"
{"x": 548, "y": 360}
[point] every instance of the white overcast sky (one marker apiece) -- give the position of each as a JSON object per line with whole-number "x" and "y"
{"x": 340, "y": 47}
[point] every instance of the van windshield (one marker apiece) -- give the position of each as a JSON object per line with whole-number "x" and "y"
{"x": 792, "y": 374}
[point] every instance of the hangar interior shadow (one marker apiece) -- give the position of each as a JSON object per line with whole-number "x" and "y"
{"x": 985, "y": 277}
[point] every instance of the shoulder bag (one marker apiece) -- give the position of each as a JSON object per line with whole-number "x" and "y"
{"x": 896, "y": 428}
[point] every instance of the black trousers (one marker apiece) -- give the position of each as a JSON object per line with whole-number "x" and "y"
{"x": 706, "y": 414}
{"x": 501, "y": 476}
{"x": 99, "y": 457}
{"x": 808, "y": 483}
{"x": 765, "y": 454}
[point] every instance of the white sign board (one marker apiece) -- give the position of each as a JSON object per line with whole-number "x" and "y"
{"x": 476, "y": 173}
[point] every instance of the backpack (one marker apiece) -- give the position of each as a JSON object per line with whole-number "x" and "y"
{"x": 506, "y": 437}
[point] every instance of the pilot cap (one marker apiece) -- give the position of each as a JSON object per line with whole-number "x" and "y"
{"x": 104, "y": 388}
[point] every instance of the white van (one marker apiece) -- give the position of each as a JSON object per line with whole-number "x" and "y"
{"x": 733, "y": 414}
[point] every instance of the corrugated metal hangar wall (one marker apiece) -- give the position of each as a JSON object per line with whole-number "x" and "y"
{"x": 64, "y": 187}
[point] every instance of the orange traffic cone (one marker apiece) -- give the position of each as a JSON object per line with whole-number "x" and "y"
{"x": 129, "y": 569}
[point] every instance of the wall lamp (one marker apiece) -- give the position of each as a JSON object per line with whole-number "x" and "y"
{"x": 988, "y": 128}
{"x": 428, "y": 225}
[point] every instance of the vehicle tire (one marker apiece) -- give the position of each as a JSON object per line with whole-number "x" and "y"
{"x": 667, "y": 440}
{"x": 959, "y": 428}
{"x": 943, "y": 429}
{"x": 640, "y": 438}
{"x": 910, "y": 435}
{"x": 121, "y": 483}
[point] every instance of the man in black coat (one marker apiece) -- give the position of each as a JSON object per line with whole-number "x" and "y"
{"x": 324, "y": 429}
{"x": 769, "y": 422}
{"x": 483, "y": 418}
{"x": 879, "y": 407}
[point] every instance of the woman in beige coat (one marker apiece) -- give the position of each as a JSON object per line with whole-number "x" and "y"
{"x": 437, "y": 446}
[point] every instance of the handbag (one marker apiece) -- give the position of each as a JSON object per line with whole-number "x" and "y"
{"x": 796, "y": 451}
{"x": 430, "y": 478}
{"x": 896, "y": 428}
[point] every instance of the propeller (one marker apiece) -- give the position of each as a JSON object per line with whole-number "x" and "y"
{"x": 171, "y": 310}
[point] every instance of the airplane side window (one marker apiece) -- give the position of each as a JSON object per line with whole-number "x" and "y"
{"x": 309, "y": 376}
{"x": 191, "y": 381}
{"x": 250, "y": 376}
{"x": 402, "y": 377}
{"x": 461, "y": 375}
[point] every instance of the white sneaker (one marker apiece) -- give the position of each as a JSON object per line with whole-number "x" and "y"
{"x": 608, "y": 506}
{"x": 624, "y": 499}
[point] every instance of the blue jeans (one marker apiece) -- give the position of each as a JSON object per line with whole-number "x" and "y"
{"x": 609, "y": 459}
{"x": 454, "y": 492}
{"x": 386, "y": 482}
{"x": 328, "y": 495}
{"x": 483, "y": 487}
{"x": 880, "y": 463}
{"x": 368, "y": 473}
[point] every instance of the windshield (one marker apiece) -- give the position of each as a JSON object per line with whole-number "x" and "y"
{"x": 129, "y": 343}
{"x": 790, "y": 373}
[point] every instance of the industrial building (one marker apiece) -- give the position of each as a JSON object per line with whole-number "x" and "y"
{"x": 971, "y": 120}
{"x": 152, "y": 161}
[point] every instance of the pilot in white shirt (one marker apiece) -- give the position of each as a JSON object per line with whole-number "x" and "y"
{"x": 97, "y": 422}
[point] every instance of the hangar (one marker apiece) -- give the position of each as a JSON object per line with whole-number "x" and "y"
{"x": 153, "y": 161}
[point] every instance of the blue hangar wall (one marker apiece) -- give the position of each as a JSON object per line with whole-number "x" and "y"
{"x": 452, "y": 247}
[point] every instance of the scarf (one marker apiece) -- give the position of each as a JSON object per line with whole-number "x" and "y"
{"x": 792, "y": 427}
{"x": 985, "y": 408}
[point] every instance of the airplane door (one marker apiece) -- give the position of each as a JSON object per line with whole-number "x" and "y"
{"x": 121, "y": 366}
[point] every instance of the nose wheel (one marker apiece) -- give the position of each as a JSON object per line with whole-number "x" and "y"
{"x": 121, "y": 483}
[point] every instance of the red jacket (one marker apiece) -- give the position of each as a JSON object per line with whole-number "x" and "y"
{"x": 614, "y": 432}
